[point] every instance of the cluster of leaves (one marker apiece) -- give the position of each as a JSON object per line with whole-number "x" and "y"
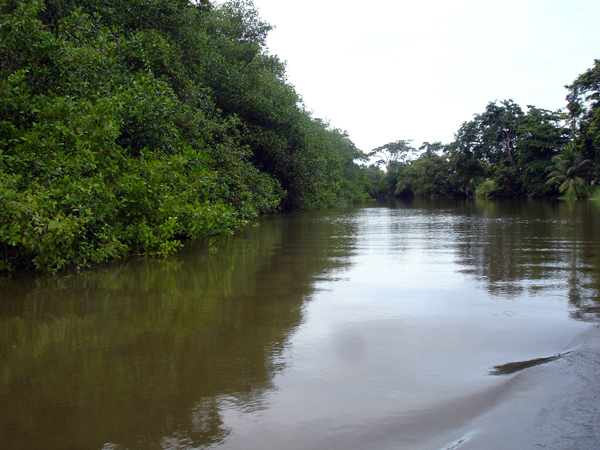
{"x": 504, "y": 152}
{"x": 127, "y": 125}
{"x": 569, "y": 171}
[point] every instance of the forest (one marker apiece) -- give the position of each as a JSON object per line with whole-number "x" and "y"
{"x": 128, "y": 126}
{"x": 504, "y": 152}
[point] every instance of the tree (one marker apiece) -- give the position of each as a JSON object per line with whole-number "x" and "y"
{"x": 540, "y": 137}
{"x": 393, "y": 157}
{"x": 584, "y": 111}
{"x": 435, "y": 148}
{"x": 425, "y": 177}
{"x": 392, "y": 153}
{"x": 498, "y": 127}
{"x": 569, "y": 171}
{"x": 467, "y": 168}
{"x": 508, "y": 146}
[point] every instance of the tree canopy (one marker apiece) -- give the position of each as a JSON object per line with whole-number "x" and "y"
{"x": 127, "y": 126}
{"x": 505, "y": 151}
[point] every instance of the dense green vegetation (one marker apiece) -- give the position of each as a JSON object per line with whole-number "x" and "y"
{"x": 127, "y": 125}
{"x": 503, "y": 152}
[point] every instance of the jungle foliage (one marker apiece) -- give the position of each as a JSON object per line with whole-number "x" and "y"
{"x": 503, "y": 152}
{"x": 129, "y": 125}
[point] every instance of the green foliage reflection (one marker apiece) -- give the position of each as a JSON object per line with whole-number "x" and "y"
{"x": 141, "y": 351}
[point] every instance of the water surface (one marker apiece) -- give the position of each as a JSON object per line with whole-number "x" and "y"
{"x": 362, "y": 327}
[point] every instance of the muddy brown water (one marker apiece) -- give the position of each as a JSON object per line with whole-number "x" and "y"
{"x": 374, "y": 326}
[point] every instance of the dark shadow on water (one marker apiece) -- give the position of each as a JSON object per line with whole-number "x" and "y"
{"x": 512, "y": 367}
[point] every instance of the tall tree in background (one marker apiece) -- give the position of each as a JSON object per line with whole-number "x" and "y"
{"x": 584, "y": 111}
{"x": 392, "y": 156}
{"x": 541, "y": 136}
{"x": 508, "y": 146}
{"x": 498, "y": 126}
{"x": 467, "y": 168}
{"x": 393, "y": 153}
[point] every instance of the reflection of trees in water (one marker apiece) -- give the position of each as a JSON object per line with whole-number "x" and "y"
{"x": 146, "y": 354}
{"x": 534, "y": 246}
{"x": 584, "y": 270}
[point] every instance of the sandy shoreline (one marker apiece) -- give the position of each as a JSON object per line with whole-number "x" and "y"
{"x": 555, "y": 405}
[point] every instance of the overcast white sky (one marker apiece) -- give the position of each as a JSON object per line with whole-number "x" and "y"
{"x": 385, "y": 70}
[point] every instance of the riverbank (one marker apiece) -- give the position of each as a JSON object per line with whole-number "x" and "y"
{"x": 555, "y": 405}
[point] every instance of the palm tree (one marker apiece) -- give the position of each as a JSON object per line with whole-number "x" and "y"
{"x": 569, "y": 171}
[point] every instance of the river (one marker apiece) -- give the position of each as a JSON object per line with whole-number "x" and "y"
{"x": 378, "y": 326}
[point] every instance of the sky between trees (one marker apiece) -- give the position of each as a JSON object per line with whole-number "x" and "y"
{"x": 390, "y": 70}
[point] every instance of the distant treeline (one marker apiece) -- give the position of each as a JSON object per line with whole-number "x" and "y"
{"x": 128, "y": 125}
{"x": 503, "y": 152}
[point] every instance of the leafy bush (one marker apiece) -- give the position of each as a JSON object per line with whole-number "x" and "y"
{"x": 486, "y": 189}
{"x": 127, "y": 126}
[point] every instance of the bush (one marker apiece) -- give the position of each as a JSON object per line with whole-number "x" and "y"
{"x": 486, "y": 189}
